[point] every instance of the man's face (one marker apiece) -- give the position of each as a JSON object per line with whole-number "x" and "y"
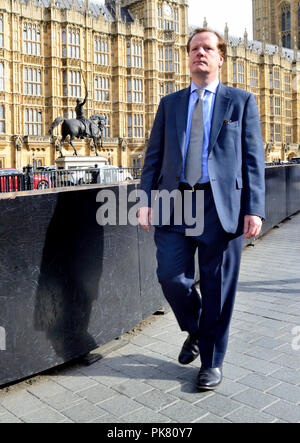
{"x": 204, "y": 56}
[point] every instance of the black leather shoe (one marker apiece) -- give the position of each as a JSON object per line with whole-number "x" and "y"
{"x": 209, "y": 378}
{"x": 189, "y": 351}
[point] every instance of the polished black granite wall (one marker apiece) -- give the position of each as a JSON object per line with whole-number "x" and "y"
{"x": 68, "y": 285}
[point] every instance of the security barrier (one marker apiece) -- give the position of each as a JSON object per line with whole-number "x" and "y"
{"x": 68, "y": 285}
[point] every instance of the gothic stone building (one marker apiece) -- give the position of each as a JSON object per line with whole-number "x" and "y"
{"x": 130, "y": 53}
{"x": 277, "y": 21}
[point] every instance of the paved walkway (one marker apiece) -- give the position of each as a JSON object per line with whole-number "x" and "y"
{"x": 142, "y": 381}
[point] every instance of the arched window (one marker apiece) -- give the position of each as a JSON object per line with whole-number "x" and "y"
{"x": 286, "y": 26}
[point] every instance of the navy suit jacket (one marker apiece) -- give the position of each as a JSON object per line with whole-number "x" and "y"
{"x": 236, "y": 161}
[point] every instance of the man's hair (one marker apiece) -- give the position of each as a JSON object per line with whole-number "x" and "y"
{"x": 222, "y": 45}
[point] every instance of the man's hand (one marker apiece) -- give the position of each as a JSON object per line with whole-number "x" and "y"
{"x": 145, "y": 217}
{"x": 252, "y": 226}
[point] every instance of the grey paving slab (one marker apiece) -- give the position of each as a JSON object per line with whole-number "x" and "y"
{"x": 21, "y": 403}
{"x": 83, "y": 412}
{"x": 219, "y": 405}
{"x": 156, "y": 399}
{"x": 142, "y": 382}
{"x": 183, "y": 412}
{"x": 254, "y": 398}
{"x": 133, "y": 388}
{"x": 145, "y": 415}
{"x": 247, "y": 414}
{"x": 258, "y": 381}
{"x": 44, "y": 415}
{"x": 287, "y": 392}
{"x": 9, "y": 418}
{"x": 285, "y": 411}
{"x": 120, "y": 405}
{"x": 97, "y": 393}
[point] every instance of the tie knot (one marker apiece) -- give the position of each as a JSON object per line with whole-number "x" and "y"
{"x": 200, "y": 93}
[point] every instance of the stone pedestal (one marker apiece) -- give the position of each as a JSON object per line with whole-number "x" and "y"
{"x": 77, "y": 162}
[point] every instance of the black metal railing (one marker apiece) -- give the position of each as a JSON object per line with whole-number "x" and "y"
{"x": 31, "y": 179}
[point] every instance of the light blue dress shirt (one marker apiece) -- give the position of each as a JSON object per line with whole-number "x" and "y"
{"x": 208, "y": 109}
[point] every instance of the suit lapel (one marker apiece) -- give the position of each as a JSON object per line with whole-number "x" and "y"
{"x": 181, "y": 117}
{"x": 220, "y": 110}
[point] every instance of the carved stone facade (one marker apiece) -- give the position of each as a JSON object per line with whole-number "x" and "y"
{"x": 49, "y": 48}
{"x": 130, "y": 53}
{"x": 277, "y": 21}
{"x": 272, "y": 74}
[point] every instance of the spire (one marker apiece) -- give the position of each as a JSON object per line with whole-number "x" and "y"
{"x": 118, "y": 10}
{"x": 226, "y": 32}
{"x": 246, "y": 38}
{"x": 205, "y": 24}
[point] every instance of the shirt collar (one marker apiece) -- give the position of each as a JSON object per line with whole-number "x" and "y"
{"x": 212, "y": 87}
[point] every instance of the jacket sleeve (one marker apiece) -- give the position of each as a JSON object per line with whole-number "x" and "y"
{"x": 154, "y": 154}
{"x": 253, "y": 161}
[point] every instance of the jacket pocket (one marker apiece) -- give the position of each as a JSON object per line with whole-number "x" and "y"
{"x": 231, "y": 124}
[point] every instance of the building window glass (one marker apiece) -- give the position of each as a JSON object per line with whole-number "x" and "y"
{"x": 277, "y": 133}
{"x": 271, "y": 77}
{"x": 106, "y": 128}
{"x": 271, "y": 106}
{"x": 160, "y": 91}
{"x": 102, "y": 89}
{"x": 287, "y": 83}
{"x": 168, "y": 88}
{"x": 2, "y": 119}
{"x": 31, "y": 39}
{"x": 32, "y": 81}
{"x": 176, "y": 61}
{"x": 160, "y": 59}
{"x": 134, "y": 54}
{"x": 288, "y": 134}
{"x": 276, "y": 79}
{"x": 168, "y": 59}
{"x": 286, "y": 26}
{"x": 159, "y": 15}
{"x": 254, "y": 77}
{"x": 1, "y": 31}
{"x": 241, "y": 72}
{"x": 277, "y": 106}
{"x": 101, "y": 51}
{"x": 135, "y": 125}
{"x": 135, "y": 90}
{"x": 288, "y": 109}
{"x": 1, "y": 76}
{"x": 271, "y": 132}
{"x": 74, "y": 85}
{"x": 71, "y": 46}
{"x": 32, "y": 121}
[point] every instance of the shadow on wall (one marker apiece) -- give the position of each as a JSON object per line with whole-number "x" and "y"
{"x": 70, "y": 272}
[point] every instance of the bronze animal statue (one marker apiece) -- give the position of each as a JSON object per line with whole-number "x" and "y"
{"x": 80, "y": 128}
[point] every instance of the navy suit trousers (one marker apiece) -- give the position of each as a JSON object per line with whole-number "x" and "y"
{"x": 206, "y": 315}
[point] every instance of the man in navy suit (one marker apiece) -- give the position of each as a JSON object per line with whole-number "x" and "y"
{"x": 232, "y": 180}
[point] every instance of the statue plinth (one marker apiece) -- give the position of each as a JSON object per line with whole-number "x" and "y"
{"x": 85, "y": 161}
